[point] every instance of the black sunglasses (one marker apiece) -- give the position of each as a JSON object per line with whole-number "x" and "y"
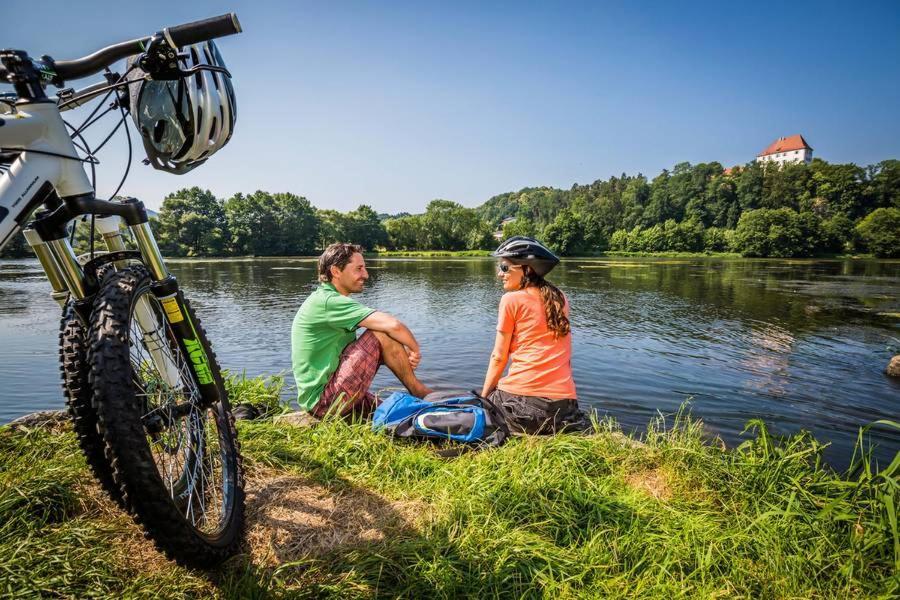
{"x": 504, "y": 267}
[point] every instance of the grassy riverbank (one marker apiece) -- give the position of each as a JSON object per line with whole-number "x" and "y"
{"x": 338, "y": 511}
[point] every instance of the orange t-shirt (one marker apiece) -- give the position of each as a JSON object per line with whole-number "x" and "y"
{"x": 541, "y": 365}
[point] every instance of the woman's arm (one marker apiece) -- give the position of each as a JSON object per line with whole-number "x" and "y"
{"x": 497, "y": 363}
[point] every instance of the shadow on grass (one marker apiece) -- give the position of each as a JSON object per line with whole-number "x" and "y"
{"x": 317, "y": 534}
{"x": 305, "y": 532}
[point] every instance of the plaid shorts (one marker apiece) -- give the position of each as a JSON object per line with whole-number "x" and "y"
{"x": 349, "y": 384}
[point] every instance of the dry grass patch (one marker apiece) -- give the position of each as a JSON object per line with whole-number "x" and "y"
{"x": 290, "y": 518}
{"x": 652, "y": 482}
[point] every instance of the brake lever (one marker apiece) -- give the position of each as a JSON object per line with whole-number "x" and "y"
{"x": 185, "y": 73}
{"x": 160, "y": 62}
{"x": 197, "y": 68}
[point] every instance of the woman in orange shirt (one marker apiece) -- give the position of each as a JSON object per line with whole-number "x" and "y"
{"x": 533, "y": 334}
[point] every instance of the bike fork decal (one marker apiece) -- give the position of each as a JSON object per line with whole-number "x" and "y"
{"x": 198, "y": 359}
{"x": 172, "y": 311}
{"x": 198, "y": 355}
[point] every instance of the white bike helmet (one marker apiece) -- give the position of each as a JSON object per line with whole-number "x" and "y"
{"x": 184, "y": 122}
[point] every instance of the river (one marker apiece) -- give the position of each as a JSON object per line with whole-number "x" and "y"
{"x": 801, "y": 344}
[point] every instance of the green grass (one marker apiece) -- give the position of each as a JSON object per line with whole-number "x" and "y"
{"x": 264, "y": 393}
{"x": 564, "y": 517}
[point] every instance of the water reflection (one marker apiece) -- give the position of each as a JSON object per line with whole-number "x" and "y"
{"x": 798, "y": 343}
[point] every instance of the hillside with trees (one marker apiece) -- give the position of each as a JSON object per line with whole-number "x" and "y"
{"x": 794, "y": 210}
{"x": 757, "y": 210}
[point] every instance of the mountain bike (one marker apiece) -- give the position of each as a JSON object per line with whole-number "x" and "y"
{"x": 141, "y": 382}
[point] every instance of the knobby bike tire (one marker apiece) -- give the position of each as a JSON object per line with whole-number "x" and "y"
{"x": 120, "y": 411}
{"x": 77, "y": 392}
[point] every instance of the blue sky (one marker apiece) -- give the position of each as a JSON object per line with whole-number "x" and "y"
{"x": 395, "y": 104}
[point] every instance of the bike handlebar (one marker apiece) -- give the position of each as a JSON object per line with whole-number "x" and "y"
{"x": 177, "y": 36}
{"x": 200, "y": 31}
{"x": 99, "y": 60}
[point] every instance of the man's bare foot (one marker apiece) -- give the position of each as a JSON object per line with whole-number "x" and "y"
{"x": 421, "y": 392}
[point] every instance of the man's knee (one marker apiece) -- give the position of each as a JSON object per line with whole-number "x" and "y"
{"x": 386, "y": 341}
{"x": 391, "y": 349}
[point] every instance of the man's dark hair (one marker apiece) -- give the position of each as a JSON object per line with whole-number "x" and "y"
{"x": 336, "y": 255}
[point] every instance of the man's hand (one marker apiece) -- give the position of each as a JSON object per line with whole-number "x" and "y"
{"x": 414, "y": 358}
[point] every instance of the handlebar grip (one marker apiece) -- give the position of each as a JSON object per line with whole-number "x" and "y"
{"x": 200, "y": 31}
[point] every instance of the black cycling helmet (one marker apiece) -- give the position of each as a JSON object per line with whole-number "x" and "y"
{"x": 521, "y": 250}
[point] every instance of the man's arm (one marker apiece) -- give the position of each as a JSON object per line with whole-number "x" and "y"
{"x": 385, "y": 323}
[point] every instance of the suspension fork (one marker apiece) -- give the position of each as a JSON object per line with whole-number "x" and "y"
{"x": 52, "y": 268}
{"x": 152, "y": 334}
{"x": 165, "y": 288}
{"x": 47, "y": 237}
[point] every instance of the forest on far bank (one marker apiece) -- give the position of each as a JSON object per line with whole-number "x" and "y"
{"x": 757, "y": 210}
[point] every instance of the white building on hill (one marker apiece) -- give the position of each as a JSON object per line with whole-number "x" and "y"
{"x": 787, "y": 149}
{"x": 498, "y": 235}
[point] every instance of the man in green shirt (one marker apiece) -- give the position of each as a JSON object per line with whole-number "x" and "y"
{"x": 331, "y": 365}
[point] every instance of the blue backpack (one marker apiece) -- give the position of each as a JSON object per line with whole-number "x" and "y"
{"x": 463, "y": 417}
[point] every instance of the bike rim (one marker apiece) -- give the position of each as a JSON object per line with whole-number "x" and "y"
{"x": 189, "y": 444}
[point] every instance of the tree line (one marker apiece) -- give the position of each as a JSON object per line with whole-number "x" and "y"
{"x": 759, "y": 209}
{"x": 795, "y": 209}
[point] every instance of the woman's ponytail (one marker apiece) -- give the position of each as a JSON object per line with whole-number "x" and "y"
{"x": 553, "y": 300}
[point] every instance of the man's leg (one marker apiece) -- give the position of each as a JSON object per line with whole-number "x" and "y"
{"x": 394, "y": 356}
{"x": 349, "y": 384}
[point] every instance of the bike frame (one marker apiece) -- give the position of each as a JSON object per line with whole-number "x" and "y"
{"x": 148, "y": 406}
{"x": 48, "y": 172}
{"x": 39, "y": 127}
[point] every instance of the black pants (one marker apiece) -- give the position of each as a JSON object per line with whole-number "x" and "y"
{"x": 530, "y": 414}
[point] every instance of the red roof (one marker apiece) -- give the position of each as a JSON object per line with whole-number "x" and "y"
{"x": 786, "y": 144}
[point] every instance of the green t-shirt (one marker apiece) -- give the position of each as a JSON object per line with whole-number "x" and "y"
{"x": 324, "y": 325}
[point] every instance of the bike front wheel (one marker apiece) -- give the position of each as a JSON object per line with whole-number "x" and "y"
{"x": 174, "y": 455}
{"x": 79, "y": 399}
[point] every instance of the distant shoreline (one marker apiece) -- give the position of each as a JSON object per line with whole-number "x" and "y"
{"x": 487, "y": 254}
{"x": 610, "y": 254}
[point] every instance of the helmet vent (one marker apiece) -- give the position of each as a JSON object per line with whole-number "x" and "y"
{"x": 158, "y": 130}
{"x": 210, "y": 61}
{"x": 198, "y": 78}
